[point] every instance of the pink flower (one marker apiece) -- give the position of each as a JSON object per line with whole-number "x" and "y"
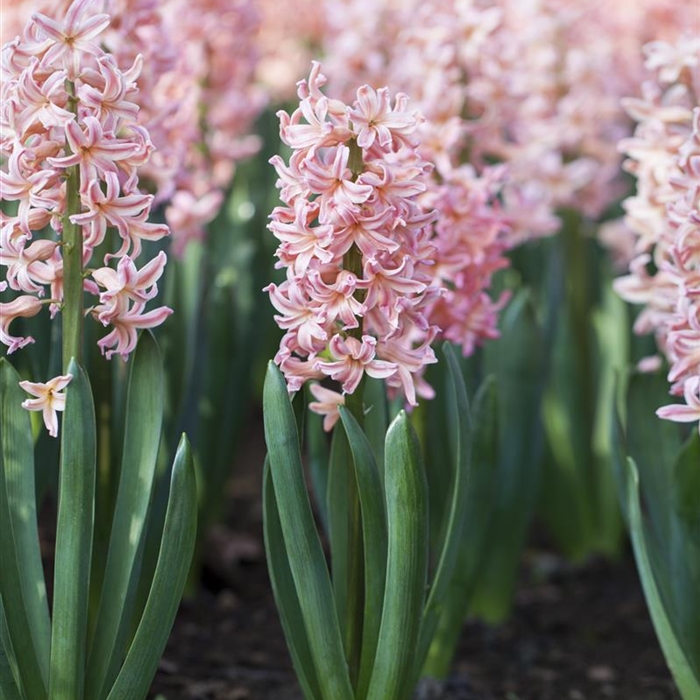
{"x": 326, "y": 404}
{"x": 96, "y": 151}
{"x": 23, "y": 306}
{"x": 22, "y": 261}
{"x": 126, "y": 282}
{"x": 352, "y": 359}
{"x": 688, "y": 412}
{"x": 127, "y": 320}
{"x": 46, "y": 131}
{"x": 49, "y": 399}
{"x": 109, "y": 208}
{"x": 188, "y": 214}
{"x": 356, "y": 246}
{"x": 664, "y": 217}
{"x": 334, "y": 182}
{"x": 375, "y": 118}
{"x": 72, "y": 37}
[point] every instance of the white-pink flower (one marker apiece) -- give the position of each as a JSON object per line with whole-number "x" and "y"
{"x": 664, "y": 217}
{"x": 355, "y": 243}
{"x": 68, "y": 108}
{"x": 49, "y": 399}
{"x": 689, "y": 412}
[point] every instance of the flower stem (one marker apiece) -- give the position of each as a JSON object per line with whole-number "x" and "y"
{"x": 354, "y": 612}
{"x": 355, "y": 602}
{"x": 72, "y": 312}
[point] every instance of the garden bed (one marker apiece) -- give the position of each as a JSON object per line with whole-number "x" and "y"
{"x": 577, "y": 633}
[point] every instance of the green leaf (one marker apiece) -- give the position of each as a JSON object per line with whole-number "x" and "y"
{"x": 654, "y": 451}
{"x": 406, "y": 506}
{"x": 377, "y": 420}
{"x": 318, "y": 457}
{"x": 686, "y": 486}
{"x": 688, "y": 683}
{"x": 9, "y": 673}
{"x": 374, "y": 534}
{"x": 144, "y": 419}
{"x": 521, "y": 377}
{"x": 479, "y": 513}
{"x": 76, "y": 501}
{"x": 457, "y": 512}
{"x": 306, "y": 560}
{"x": 22, "y": 581}
{"x": 338, "y": 504}
{"x": 177, "y": 546}
{"x": 285, "y": 594}
{"x": 183, "y": 285}
{"x": 684, "y": 549}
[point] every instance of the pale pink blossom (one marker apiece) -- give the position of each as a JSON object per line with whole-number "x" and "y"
{"x": 689, "y": 412}
{"x": 49, "y": 401}
{"x": 664, "y": 216}
{"x": 22, "y": 306}
{"x": 109, "y": 208}
{"x": 70, "y": 39}
{"x": 352, "y": 359}
{"x": 96, "y": 151}
{"x": 126, "y": 320}
{"x": 68, "y": 108}
{"x": 327, "y": 404}
{"x": 356, "y": 246}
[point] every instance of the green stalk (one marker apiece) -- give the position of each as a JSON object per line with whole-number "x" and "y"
{"x": 72, "y": 311}
{"x": 355, "y": 601}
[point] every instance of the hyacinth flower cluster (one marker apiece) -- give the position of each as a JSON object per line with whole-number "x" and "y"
{"x": 197, "y": 95}
{"x": 509, "y": 82}
{"x": 664, "y": 216}
{"x": 356, "y": 247}
{"x": 72, "y": 146}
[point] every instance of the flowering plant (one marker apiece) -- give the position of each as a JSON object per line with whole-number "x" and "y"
{"x": 356, "y": 247}
{"x": 72, "y": 147}
{"x": 660, "y": 476}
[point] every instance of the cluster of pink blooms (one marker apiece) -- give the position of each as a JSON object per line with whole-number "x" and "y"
{"x": 356, "y": 246}
{"x": 67, "y": 105}
{"x": 197, "y": 96}
{"x": 513, "y": 81}
{"x": 664, "y": 216}
{"x": 510, "y": 82}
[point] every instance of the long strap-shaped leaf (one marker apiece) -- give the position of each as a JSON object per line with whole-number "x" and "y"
{"x": 374, "y": 534}
{"x": 306, "y": 560}
{"x": 406, "y": 506}
{"x": 285, "y": 593}
{"x": 22, "y": 579}
{"x": 688, "y": 684}
{"x": 9, "y": 674}
{"x": 338, "y": 504}
{"x": 377, "y": 420}
{"x": 521, "y": 378}
{"x": 144, "y": 418}
{"x": 460, "y": 415}
{"x": 76, "y": 499}
{"x": 177, "y": 546}
{"x": 479, "y": 508}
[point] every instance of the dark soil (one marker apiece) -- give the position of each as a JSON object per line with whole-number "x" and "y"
{"x": 578, "y": 633}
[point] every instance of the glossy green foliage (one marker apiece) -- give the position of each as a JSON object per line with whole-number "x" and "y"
{"x": 518, "y": 361}
{"x": 26, "y": 627}
{"x": 660, "y": 484}
{"x": 115, "y": 653}
{"x": 398, "y": 605}
{"x": 301, "y": 543}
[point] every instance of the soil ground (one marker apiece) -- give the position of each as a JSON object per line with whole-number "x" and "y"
{"x": 577, "y": 633}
